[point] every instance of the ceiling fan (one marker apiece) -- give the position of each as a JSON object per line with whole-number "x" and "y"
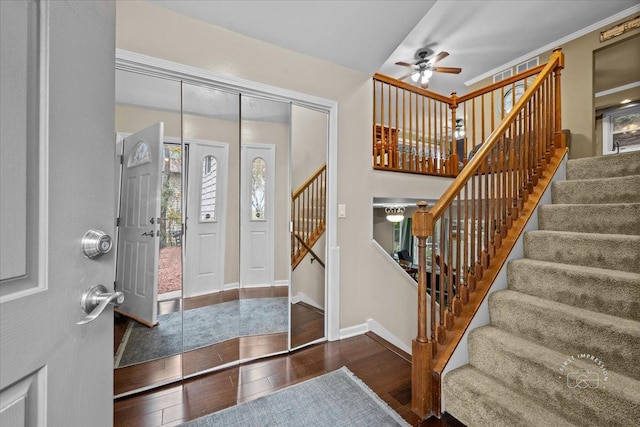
{"x": 423, "y": 69}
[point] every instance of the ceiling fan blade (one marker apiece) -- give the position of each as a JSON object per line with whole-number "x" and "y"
{"x": 451, "y": 70}
{"x": 438, "y": 57}
{"x": 405, "y": 76}
{"x": 404, "y": 64}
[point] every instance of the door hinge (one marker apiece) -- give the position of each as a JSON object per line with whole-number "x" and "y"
{"x": 118, "y": 222}
{"x": 121, "y": 157}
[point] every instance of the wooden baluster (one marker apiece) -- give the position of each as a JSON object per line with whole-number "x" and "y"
{"x": 495, "y": 200}
{"x": 375, "y": 136}
{"x": 459, "y": 263}
{"x": 486, "y": 217}
{"x": 503, "y": 186}
{"x": 474, "y": 237}
{"x": 432, "y": 112}
{"x": 393, "y": 148}
{"x": 417, "y": 167}
{"x": 404, "y": 130}
{"x": 442, "y": 140}
{"x": 411, "y": 155}
{"x": 512, "y": 174}
{"x": 454, "y": 159}
{"x": 422, "y": 347}
{"x": 473, "y": 124}
{"x": 423, "y": 157}
{"x": 442, "y": 335}
{"x": 397, "y": 125}
{"x": 492, "y": 172}
{"x": 448, "y": 273}
{"x": 464, "y": 274}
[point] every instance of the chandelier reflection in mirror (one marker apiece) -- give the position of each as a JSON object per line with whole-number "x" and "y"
{"x": 394, "y": 213}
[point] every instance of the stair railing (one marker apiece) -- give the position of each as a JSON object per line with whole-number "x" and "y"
{"x": 473, "y": 217}
{"x": 308, "y": 215}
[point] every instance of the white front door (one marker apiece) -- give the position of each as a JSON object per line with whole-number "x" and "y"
{"x": 56, "y": 183}
{"x": 206, "y": 212}
{"x": 257, "y": 208}
{"x": 138, "y": 236}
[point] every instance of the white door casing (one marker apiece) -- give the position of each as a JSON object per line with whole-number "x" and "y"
{"x": 206, "y": 217}
{"x": 57, "y": 175}
{"x": 138, "y": 235}
{"x": 257, "y": 233}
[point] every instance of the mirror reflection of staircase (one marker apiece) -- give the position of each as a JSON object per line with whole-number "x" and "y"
{"x": 563, "y": 342}
{"x": 308, "y": 217}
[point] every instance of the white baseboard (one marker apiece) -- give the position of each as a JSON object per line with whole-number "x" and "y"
{"x": 383, "y": 333}
{"x": 372, "y": 326}
{"x": 230, "y": 286}
{"x": 267, "y": 285}
{"x": 302, "y": 297}
{"x": 352, "y": 331}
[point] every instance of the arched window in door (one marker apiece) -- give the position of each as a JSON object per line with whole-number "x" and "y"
{"x": 258, "y": 188}
{"x": 208, "y": 189}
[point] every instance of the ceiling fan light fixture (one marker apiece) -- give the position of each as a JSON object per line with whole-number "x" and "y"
{"x": 415, "y": 76}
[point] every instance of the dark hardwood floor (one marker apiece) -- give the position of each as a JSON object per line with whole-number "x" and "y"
{"x": 384, "y": 368}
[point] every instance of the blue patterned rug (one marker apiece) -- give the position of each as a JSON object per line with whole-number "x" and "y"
{"x": 336, "y": 399}
{"x": 200, "y": 327}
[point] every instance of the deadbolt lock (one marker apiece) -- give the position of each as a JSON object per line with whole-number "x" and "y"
{"x": 96, "y": 243}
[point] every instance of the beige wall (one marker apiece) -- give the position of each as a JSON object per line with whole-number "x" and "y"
{"x": 370, "y": 287}
{"x": 577, "y": 89}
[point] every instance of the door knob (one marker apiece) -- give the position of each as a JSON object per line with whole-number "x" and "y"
{"x": 148, "y": 233}
{"x": 95, "y": 300}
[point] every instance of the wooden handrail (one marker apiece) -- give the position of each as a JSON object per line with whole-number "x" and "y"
{"x": 308, "y": 182}
{"x": 467, "y": 173}
{"x": 502, "y": 83}
{"x": 487, "y": 202}
{"x": 412, "y": 88}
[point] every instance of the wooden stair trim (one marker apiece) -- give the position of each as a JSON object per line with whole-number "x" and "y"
{"x": 483, "y": 286}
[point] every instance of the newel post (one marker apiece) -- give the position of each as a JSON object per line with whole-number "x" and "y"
{"x": 559, "y": 138}
{"x": 422, "y": 346}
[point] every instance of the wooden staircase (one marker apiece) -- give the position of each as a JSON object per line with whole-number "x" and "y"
{"x": 308, "y": 216}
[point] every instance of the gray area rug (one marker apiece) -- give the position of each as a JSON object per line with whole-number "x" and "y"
{"x": 200, "y": 327}
{"x": 338, "y": 398}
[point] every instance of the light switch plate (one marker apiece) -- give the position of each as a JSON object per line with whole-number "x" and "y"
{"x": 342, "y": 211}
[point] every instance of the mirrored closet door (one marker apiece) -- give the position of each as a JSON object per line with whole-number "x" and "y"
{"x": 221, "y": 237}
{"x": 148, "y": 326}
{"x": 309, "y": 140}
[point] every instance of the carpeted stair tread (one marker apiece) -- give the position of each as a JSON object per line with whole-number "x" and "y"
{"x": 536, "y": 371}
{"x": 604, "y": 166}
{"x": 476, "y": 399}
{"x": 620, "y": 218}
{"x": 595, "y": 191}
{"x": 606, "y": 291}
{"x": 568, "y": 329}
{"x": 610, "y": 251}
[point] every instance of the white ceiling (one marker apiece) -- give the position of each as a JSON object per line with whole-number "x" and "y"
{"x": 370, "y": 36}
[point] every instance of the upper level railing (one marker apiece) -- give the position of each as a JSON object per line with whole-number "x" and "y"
{"x": 469, "y": 223}
{"x": 308, "y": 215}
{"x": 419, "y": 131}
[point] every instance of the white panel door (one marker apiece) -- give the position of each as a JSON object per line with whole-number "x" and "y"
{"x": 138, "y": 235}
{"x": 257, "y": 215}
{"x": 56, "y": 182}
{"x": 206, "y": 215}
